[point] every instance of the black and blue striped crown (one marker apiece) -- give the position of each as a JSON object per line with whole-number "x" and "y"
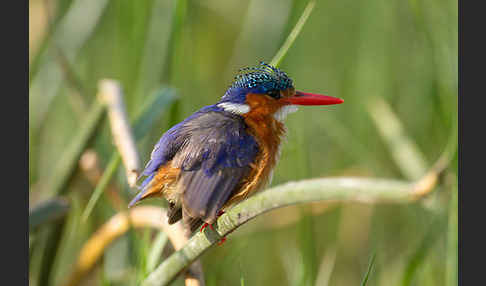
{"x": 264, "y": 78}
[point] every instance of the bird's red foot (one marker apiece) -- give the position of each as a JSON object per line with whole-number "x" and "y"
{"x": 210, "y": 225}
{"x": 206, "y": 225}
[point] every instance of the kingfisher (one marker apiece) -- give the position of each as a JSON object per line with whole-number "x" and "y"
{"x": 224, "y": 152}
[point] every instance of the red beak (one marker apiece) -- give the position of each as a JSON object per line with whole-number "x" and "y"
{"x": 304, "y": 98}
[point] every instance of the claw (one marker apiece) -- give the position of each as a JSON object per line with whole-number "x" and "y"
{"x": 206, "y": 225}
{"x": 203, "y": 226}
{"x": 220, "y": 213}
{"x": 222, "y": 240}
{"x": 211, "y": 227}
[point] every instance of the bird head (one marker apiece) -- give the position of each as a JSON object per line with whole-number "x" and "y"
{"x": 267, "y": 90}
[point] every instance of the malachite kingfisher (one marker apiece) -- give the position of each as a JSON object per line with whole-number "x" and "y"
{"x": 224, "y": 152}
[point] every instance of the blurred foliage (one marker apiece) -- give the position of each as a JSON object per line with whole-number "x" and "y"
{"x": 403, "y": 52}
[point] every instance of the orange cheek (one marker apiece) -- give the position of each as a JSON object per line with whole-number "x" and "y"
{"x": 262, "y": 105}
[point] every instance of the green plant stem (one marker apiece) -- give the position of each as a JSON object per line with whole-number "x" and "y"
{"x": 104, "y": 181}
{"x": 277, "y": 59}
{"x": 175, "y": 54}
{"x": 327, "y": 189}
{"x": 50, "y": 241}
{"x": 63, "y": 171}
{"x": 368, "y": 272}
{"x": 156, "y": 250}
{"x": 403, "y": 149}
{"x": 67, "y": 165}
{"x": 418, "y": 259}
{"x": 69, "y": 36}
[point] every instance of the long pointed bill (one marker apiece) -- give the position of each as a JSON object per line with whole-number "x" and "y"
{"x": 304, "y": 98}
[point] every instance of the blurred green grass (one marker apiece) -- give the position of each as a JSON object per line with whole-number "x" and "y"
{"x": 404, "y": 52}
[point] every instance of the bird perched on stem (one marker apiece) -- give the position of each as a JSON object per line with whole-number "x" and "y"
{"x": 224, "y": 152}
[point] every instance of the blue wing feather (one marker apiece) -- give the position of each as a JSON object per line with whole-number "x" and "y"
{"x": 214, "y": 151}
{"x": 216, "y": 157}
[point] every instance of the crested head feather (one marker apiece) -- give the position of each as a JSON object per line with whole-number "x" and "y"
{"x": 265, "y": 75}
{"x": 259, "y": 79}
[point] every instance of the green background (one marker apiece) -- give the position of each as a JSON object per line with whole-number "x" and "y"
{"x": 402, "y": 52}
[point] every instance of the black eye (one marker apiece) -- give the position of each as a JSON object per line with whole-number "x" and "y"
{"x": 274, "y": 93}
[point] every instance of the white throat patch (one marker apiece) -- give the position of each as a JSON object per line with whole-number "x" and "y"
{"x": 282, "y": 113}
{"x": 236, "y": 108}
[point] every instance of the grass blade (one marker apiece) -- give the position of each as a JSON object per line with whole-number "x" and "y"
{"x": 418, "y": 258}
{"x": 277, "y": 59}
{"x": 175, "y": 53}
{"x": 154, "y": 57}
{"x": 145, "y": 118}
{"x": 405, "y": 152}
{"x": 156, "y": 251}
{"x": 103, "y": 183}
{"x": 368, "y": 272}
{"x": 326, "y": 267}
{"x": 69, "y": 36}
{"x": 47, "y": 211}
{"x": 66, "y": 167}
{"x": 152, "y": 109}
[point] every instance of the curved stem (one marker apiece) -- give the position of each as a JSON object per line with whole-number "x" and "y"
{"x": 330, "y": 189}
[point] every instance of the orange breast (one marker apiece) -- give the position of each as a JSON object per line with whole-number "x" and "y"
{"x": 268, "y": 132}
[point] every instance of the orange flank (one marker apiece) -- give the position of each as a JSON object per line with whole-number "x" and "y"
{"x": 164, "y": 183}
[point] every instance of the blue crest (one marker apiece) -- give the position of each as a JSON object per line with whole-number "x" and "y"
{"x": 260, "y": 79}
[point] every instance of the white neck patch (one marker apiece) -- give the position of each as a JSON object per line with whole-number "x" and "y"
{"x": 282, "y": 113}
{"x": 236, "y": 108}
{"x": 239, "y": 108}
